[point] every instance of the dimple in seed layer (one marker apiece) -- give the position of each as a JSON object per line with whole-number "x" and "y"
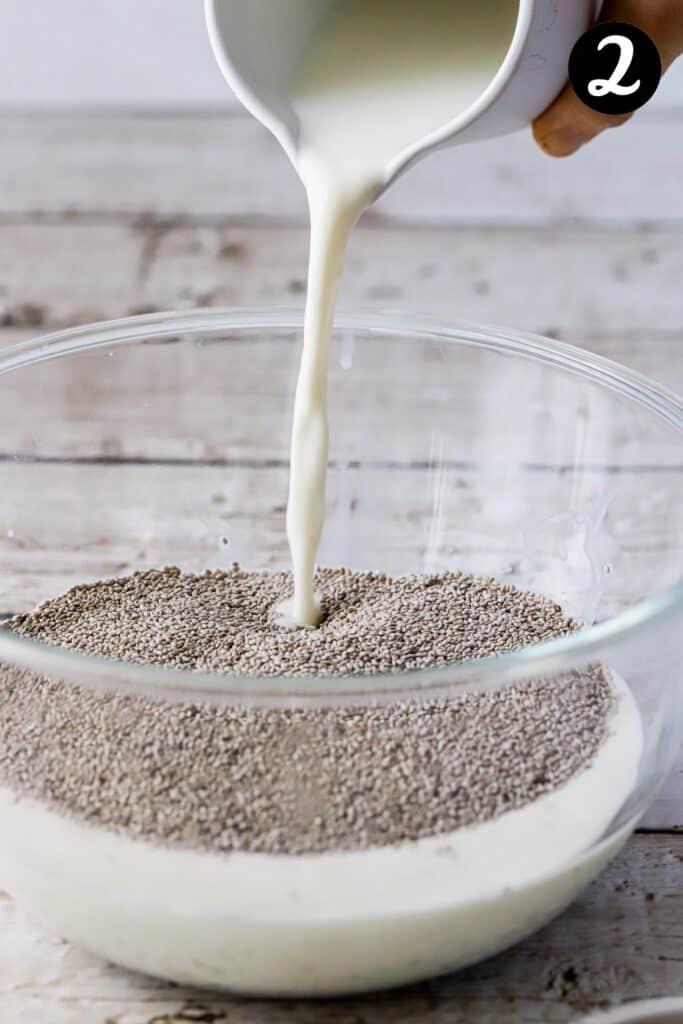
{"x": 228, "y": 621}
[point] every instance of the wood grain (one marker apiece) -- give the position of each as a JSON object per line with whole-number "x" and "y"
{"x": 64, "y": 274}
{"x": 620, "y": 942}
{"x": 228, "y": 396}
{"x": 227, "y": 167}
{"x": 142, "y": 515}
{"x": 651, "y": 352}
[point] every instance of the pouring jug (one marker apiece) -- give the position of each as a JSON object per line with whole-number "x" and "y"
{"x": 258, "y": 44}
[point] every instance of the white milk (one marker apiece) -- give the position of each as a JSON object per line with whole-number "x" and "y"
{"x": 377, "y": 76}
{"x": 325, "y": 923}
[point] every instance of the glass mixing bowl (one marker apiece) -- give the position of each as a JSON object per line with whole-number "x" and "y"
{"x": 164, "y": 440}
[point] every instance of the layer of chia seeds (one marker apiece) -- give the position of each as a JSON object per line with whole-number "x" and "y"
{"x": 295, "y": 780}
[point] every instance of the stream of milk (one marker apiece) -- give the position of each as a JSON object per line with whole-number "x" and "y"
{"x": 375, "y": 79}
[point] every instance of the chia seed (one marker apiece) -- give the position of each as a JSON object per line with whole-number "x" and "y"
{"x": 295, "y": 780}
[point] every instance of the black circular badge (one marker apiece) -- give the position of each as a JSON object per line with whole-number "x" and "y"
{"x": 615, "y": 68}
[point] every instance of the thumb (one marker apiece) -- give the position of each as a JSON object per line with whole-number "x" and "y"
{"x": 568, "y": 123}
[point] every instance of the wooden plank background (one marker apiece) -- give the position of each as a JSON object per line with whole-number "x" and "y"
{"x": 102, "y": 215}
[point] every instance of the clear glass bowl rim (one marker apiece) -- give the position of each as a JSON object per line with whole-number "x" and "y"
{"x": 549, "y": 657}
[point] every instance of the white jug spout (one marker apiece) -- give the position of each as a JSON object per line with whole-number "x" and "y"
{"x": 258, "y": 46}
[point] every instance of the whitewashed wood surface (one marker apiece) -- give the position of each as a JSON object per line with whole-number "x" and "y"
{"x": 105, "y": 215}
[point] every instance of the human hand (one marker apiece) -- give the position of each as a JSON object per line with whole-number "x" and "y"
{"x": 568, "y": 123}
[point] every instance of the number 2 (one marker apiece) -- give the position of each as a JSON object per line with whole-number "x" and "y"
{"x": 603, "y": 86}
